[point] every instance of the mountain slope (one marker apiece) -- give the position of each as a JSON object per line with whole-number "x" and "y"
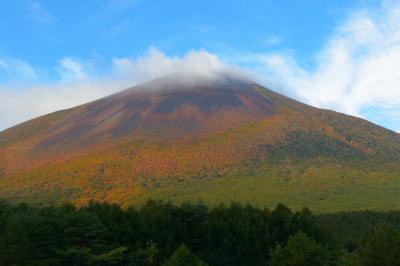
{"x": 191, "y": 137}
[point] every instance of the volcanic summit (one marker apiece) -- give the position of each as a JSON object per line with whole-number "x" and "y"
{"x": 193, "y": 133}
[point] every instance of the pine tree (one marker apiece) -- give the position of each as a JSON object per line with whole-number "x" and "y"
{"x": 381, "y": 247}
{"x": 184, "y": 257}
{"x": 299, "y": 251}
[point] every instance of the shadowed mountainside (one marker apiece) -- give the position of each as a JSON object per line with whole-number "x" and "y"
{"x": 188, "y": 137}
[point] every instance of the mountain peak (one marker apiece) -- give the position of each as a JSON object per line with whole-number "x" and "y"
{"x": 185, "y": 125}
{"x": 179, "y": 105}
{"x": 195, "y": 80}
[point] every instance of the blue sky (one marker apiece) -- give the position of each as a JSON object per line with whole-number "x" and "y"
{"x": 42, "y": 32}
{"x": 340, "y": 54}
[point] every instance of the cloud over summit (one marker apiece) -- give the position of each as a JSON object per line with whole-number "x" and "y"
{"x": 78, "y": 83}
{"x": 356, "y": 71}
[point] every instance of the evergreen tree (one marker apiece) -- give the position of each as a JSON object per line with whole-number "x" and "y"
{"x": 381, "y": 247}
{"x": 299, "y": 251}
{"x": 184, "y": 257}
{"x": 147, "y": 256}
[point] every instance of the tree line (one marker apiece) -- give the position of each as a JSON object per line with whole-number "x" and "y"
{"x": 160, "y": 233}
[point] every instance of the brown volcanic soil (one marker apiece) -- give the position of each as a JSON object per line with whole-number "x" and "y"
{"x": 172, "y": 112}
{"x": 183, "y": 126}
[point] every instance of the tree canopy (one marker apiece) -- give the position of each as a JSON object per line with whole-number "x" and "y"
{"x": 160, "y": 233}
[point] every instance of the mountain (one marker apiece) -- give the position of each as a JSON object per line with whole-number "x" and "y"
{"x": 214, "y": 138}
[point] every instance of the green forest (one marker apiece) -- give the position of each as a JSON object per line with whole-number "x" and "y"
{"x": 160, "y": 233}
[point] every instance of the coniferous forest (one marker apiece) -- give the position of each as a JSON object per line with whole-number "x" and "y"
{"x": 160, "y": 233}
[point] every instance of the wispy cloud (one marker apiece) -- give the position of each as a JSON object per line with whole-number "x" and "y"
{"x": 273, "y": 40}
{"x": 14, "y": 68}
{"x": 117, "y": 28}
{"x": 72, "y": 69}
{"x": 39, "y": 13}
{"x": 356, "y": 72}
{"x": 78, "y": 83}
{"x": 357, "y": 69}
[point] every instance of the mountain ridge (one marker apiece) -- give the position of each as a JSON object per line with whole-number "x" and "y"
{"x": 170, "y": 132}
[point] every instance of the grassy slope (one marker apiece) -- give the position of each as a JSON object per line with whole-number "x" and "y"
{"x": 301, "y": 157}
{"x": 321, "y": 188}
{"x": 299, "y": 170}
{"x": 324, "y": 189}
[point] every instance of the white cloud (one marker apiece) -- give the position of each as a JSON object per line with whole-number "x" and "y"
{"x": 72, "y": 69}
{"x": 357, "y": 69}
{"x": 78, "y": 85}
{"x": 13, "y": 67}
{"x": 156, "y": 64}
{"x": 357, "y": 72}
{"x": 19, "y": 105}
